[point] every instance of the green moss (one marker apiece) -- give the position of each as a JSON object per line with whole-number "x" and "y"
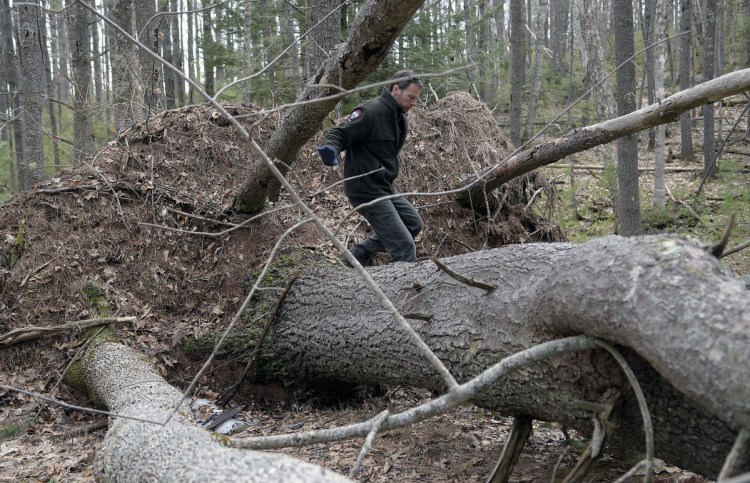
{"x": 96, "y": 299}
{"x": 19, "y": 244}
{"x": 242, "y": 340}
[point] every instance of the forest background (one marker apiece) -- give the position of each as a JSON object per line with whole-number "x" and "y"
{"x": 71, "y": 82}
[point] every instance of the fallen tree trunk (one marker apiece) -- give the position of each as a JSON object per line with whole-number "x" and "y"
{"x": 684, "y": 317}
{"x": 663, "y": 112}
{"x": 125, "y": 382}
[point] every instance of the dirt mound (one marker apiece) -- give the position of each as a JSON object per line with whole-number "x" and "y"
{"x": 140, "y": 229}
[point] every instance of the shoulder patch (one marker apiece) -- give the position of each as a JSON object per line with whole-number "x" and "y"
{"x": 356, "y": 114}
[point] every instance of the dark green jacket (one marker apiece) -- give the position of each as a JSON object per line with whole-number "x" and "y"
{"x": 372, "y": 135}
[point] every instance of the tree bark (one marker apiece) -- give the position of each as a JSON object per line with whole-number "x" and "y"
{"x": 628, "y": 193}
{"x": 636, "y": 292}
{"x": 30, "y": 48}
{"x": 660, "y": 160}
{"x": 686, "y": 53}
{"x": 579, "y": 140}
{"x": 78, "y": 18}
{"x": 517, "y": 69}
{"x": 134, "y": 450}
{"x": 126, "y": 69}
{"x": 376, "y": 27}
{"x": 710, "y": 168}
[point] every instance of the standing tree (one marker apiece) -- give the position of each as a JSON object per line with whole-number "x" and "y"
{"x": 148, "y": 34}
{"x": 710, "y": 168}
{"x": 659, "y": 149}
{"x": 32, "y": 73}
{"x": 207, "y": 41}
{"x": 324, "y": 17}
{"x": 517, "y": 68}
{"x": 628, "y": 199}
{"x": 539, "y": 53}
{"x": 78, "y": 29}
{"x": 686, "y": 56}
{"x": 126, "y": 69}
{"x": 15, "y": 101}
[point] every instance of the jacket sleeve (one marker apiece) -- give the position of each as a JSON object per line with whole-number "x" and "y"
{"x": 353, "y": 130}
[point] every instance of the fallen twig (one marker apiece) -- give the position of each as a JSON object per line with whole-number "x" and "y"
{"x": 468, "y": 281}
{"x": 24, "y": 334}
{"x": 377, "y": 421}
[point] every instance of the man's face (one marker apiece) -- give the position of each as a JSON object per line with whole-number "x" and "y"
{"x": 407, "y": 97}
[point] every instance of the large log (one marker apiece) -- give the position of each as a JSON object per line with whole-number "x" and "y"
{"x": 680, "y": 315}
{"x": 137, "y": 450}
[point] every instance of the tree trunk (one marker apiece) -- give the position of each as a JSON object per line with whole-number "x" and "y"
{"x": 209, "y": 81}
{"x": 149, "y": 68}
{"x": 595, "y": 66}
{"x": 126, "y": 69}
{"x": 517, "y": 69}
{"x": 83, "y": 135}
{"x": 4, "y": 91}
{"x": 628, "y": 193}
{"x": 325, "y": 36}
{"x": 166, "y": 53}
{"x": 49, "y": 85}
{"x": 121, "y": 378}
{"x": 33, "y": 81}
{"x": 15, "y": 100}
{"x": 580, "y": 140}
{"x": 376, "y": 27}
{"x": 539, "y": 52}
{"x": 637, "y": 292}
{"x": 710, "y": 168}
{"x": 660, "y": 200}
{"x": 686, "y": 55}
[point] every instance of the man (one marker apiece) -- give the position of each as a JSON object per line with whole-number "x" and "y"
{"x": 372, "y": 136}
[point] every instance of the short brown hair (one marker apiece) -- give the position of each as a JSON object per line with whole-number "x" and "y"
{"x": 405, "y": 78}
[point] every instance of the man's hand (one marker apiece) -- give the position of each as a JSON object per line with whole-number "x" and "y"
{"x": 329, "y": 155}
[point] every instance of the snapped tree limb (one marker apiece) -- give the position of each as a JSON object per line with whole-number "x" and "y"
{"x": 578, "y": 140}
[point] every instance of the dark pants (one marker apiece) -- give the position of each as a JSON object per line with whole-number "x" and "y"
{"x": 396, "y": 223}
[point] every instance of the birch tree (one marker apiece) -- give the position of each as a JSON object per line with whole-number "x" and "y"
{"x": 659, "y": 149}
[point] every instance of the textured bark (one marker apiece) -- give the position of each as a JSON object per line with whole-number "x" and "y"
{"x": 126, "y": 69}
{"x": 643, "y": 293}
{"x": 327, "y": 34}
{"x": 377, "y": 25}
{"x": 33, "y": 92}
{"x": 579, "y": 140}
{"x": 628, "y": 194}
{"x": 517, "y": 68}
{"x": 127, "y": 384}
{"x": 83, "y": 131}
{"x": 709, "y": 65}
{"x": 686, "y": 53}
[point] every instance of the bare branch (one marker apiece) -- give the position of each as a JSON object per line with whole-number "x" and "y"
{"x": 456, "y": 396}
{"x": 16, "y": 336}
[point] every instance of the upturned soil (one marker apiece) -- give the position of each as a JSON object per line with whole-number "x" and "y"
{"x": 146, "y": 228}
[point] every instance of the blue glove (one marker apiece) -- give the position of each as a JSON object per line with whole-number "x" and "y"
{"x": 329, "y": 155}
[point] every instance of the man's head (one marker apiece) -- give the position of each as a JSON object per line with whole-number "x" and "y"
{"x": 405, "y": 88}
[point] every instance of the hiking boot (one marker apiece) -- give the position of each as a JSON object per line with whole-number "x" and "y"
{"x": 363, "y": 256}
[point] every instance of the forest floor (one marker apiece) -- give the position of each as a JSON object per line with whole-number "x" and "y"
{"x": 181, "y": 170}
